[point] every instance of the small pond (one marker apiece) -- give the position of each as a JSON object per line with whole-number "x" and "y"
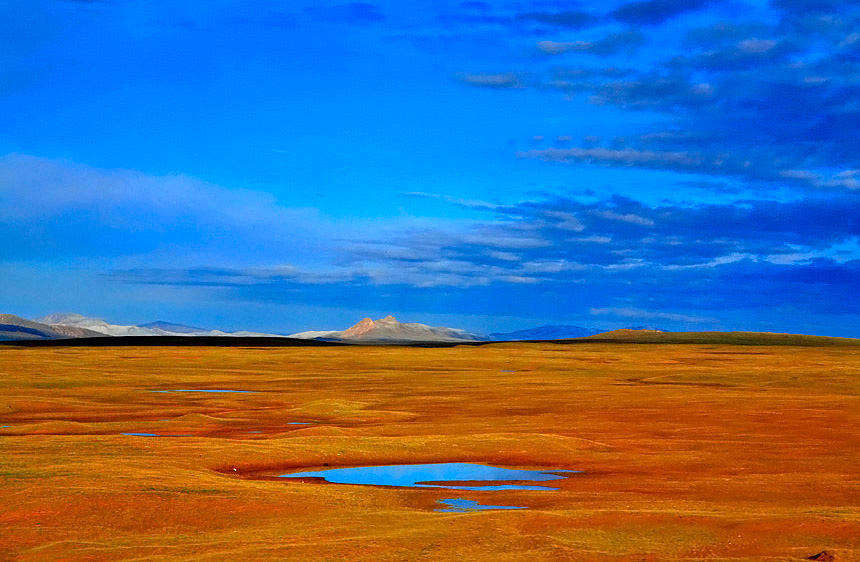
{"x": 460, "y": 505}
{"x": 158, "y": 434}
{"x": 441, "y": 475}
{"x": 205, "y": 390}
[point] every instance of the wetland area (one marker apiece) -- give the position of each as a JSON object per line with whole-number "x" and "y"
{"x": 514, "y": 451}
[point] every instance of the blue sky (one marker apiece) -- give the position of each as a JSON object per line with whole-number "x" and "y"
{"x": 279, "y": 166}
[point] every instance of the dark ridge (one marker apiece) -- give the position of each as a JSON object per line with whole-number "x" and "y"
{"x": 723, "y": 338}
{"x": 24, "y": 330}
{"x": 172, "y": 341}
{"x": 719, "y": 338}
{"x": 213, "y": 341}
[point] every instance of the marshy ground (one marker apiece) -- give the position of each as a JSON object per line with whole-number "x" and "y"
{"x": 687, "y": 451}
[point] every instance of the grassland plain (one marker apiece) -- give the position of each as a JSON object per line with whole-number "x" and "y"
{"x": 715, "y": 452}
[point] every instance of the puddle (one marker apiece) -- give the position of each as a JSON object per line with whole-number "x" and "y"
{"x": 204, "y": 390}
{"x": 418, "y": 476}
{"x": 460, "y": 505}
{"x": 298, "y": 423}
{"x": 158, "y": 435}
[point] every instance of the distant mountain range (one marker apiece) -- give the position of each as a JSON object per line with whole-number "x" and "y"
{"x": 388, "y": 329}
{"x": 159, "y": 328}
{"x": 385, "y": 330}
{"x": 56, "y": 326}
{"x": 59, "y": 326}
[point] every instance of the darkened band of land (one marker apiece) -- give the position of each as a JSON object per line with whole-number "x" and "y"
{"x": 171, "y": 341}
{"x": 700, "y": 338}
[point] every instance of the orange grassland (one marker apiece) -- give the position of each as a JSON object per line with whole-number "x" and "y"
{"x": 713, "y": 452}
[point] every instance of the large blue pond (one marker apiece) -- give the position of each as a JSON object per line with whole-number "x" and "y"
{"x": 441, "y": 475}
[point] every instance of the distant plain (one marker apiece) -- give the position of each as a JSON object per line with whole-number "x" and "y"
{"x": 688, "y": 451}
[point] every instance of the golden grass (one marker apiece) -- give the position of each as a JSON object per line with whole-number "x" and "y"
{"x": 690, "y": 451}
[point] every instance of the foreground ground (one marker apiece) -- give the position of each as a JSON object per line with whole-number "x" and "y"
{"x": 688, "y": 451}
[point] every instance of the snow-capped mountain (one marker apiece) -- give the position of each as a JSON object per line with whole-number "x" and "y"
{"x": 159, "y": 328}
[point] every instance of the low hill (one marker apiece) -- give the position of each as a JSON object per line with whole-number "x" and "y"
{"x": 16, "y": 328}
{"x": 730, "y": 338}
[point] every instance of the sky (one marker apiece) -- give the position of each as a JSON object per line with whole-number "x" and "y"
{"x": 286, "y": 165}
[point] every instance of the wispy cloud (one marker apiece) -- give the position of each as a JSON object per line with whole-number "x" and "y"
{"x": 639, "y": 314}
{"x": 624, "y": 41}
{"x": 502, "y": 81}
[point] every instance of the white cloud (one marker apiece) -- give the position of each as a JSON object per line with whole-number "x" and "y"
{"x": 625, "y": 217}
{"x": 565, "y": 221}
{"x": 638, "y": 313}
{"x": 756, "y": 46}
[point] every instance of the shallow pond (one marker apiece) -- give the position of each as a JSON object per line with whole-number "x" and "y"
{"x": 420, "y": 476}
{"x": 204, "y": 390}
{"x": 158, "y": 435}
{"x": 460, "y": 505}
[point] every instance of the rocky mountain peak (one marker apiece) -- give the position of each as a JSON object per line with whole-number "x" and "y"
{"x": 363, "y": 327}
